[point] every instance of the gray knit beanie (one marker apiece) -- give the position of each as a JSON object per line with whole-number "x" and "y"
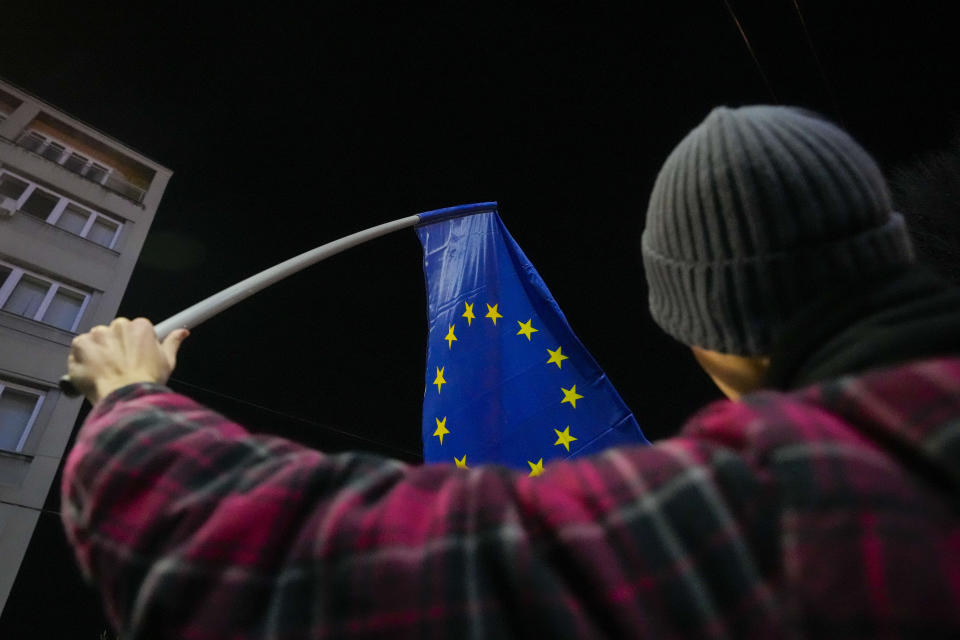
{"x": 756, "y": 211}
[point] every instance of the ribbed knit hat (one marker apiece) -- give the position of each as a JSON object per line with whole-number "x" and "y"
{"x": 754, "y": 212}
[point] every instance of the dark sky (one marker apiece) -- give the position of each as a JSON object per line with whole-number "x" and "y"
{"x": 289, "y": 127}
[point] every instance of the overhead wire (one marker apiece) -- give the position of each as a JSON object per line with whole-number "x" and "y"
{"x": 379, "y": 443}
{"x": 746, "y": 41}
{"x": 313, "y": 423}
{"x": 37, "y": 509}
{"x": 816, "y": 57}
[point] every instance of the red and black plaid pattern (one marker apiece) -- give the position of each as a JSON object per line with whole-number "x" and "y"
{"x": 827, "y": 512}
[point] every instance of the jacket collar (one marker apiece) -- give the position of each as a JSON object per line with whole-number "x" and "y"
{"x": 908, "y": 315}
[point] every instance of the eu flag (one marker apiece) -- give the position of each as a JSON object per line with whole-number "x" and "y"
{"x": 507, "y": 380}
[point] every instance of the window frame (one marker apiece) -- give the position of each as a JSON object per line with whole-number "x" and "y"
{"x": 65, "y": 155}
{"x": 33, "y": 134}
{"x": 10, "y": 283}
{"x": 85, "y": 161}
{"x": 107, "y": 171}
{"x": 51, "y": 144}
{"x": 62, "y": 203}
{"x": 40, "y": 395}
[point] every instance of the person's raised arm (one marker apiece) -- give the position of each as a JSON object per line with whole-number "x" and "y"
{"x": 191, "y": 527}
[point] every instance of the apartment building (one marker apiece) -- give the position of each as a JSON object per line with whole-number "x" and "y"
{"x": 75, "y": 208}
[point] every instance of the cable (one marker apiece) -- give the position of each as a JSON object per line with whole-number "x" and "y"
{"x": 379, "y": 443}
{"x": 823, "y": 74}
{"x": 23, "y": 506}
{"x": 385, "y": 445}
{"x": 746, "y": 41}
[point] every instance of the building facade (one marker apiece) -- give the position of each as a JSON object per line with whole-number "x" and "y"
{"x": 75, "y": 208}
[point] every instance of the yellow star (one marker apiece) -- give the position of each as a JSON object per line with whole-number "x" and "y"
{"x": 556, "y": 357}
{"x": 536, "y": 469}
{"x": 570, "y": 395}
{"x": 526, "y": 328}
{"x": 440, "y": 381}
{"x": 450, "y": 338}
{"x": 493, "y": 314}
{"x": 442, "y": 429}
{"x": 563, "y": 437}
{"x": 468, "y": 314}
{"x": 461, "y": 464}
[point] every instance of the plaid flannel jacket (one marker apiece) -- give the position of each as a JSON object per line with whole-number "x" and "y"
{"x": 829, "y": 511}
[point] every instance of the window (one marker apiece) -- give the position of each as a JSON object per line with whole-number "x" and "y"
{"x": 103, "y": 231}
{"x": 11, "y": 187}
{"x": 19, "y": 407}
{"x": 39, "y": 298}
{"x": 76, "y": 162}
{"x": 64, "y": 308}
{"x": 27, "y": 296}
{"x": 53, "y": 151}
{"x": 64, "y": 155}
{"x": 33, "y": 141}
{"x": 59, "y": 211}
{"x": 73, "y": 219}
{"x": 97, "y": 172}
{"x": 40, "y": 204}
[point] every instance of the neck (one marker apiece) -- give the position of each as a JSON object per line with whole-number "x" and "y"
{"x": 908, "y": 315}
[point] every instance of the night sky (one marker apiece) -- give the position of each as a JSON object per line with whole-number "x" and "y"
{"x": 287, "y": 128}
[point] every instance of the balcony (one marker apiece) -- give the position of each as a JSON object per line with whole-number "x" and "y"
{"x": 81, "y": 165}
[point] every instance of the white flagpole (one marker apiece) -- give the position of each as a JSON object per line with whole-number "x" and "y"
{"x": 206, "y": 309}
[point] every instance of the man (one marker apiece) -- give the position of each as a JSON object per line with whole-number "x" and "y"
{"x": 822, "y": 500}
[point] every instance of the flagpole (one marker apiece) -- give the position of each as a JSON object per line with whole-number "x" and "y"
{"x": 205, "y": 309}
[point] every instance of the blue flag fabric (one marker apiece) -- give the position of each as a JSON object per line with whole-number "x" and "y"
{"x": 507, "y": 380}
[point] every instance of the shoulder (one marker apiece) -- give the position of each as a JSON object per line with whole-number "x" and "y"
{"x": 857, "y": 415}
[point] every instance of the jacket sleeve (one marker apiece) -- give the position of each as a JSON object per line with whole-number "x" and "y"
{"x": 193, "y": 528}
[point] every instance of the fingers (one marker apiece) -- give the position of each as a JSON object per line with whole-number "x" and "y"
{"x": 77, "y": 361}
{"x": 76, "y": 345}
{"x": 171, "y": 345}
{"x": 121, "y": 331}
{"x": 98, "y": 334}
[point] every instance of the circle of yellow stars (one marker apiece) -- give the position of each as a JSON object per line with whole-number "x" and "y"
{"x": 556, "y": 356}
